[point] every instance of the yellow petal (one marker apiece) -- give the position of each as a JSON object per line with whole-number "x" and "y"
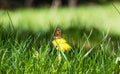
{"x": 61, "y": 44}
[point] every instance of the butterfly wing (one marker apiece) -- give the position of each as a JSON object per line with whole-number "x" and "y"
{"x": 57, "y": 33}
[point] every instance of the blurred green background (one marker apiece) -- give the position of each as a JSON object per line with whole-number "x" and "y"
{"x": 42, "y": 15}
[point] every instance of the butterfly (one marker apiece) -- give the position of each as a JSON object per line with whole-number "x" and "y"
{"x": 58, "y": 33}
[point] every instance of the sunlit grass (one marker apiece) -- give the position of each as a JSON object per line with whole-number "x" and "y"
{"x": 102, "y": 17}
{"x": 28, "y": 52}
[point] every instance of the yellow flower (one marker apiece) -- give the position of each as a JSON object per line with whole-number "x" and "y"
{"x": 61, "y": 44}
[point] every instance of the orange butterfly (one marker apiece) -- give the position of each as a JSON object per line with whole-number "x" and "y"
{"x": 57, "y": 33}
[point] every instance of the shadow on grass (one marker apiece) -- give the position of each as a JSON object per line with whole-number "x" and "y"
{"x": 74, "y": 35}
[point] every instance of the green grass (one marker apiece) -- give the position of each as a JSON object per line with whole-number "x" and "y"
{"x": 27, "y": 49}
{"x": 33, "y": 53}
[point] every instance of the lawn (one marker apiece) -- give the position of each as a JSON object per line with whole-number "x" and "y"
{"x": 91, "y": 30}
